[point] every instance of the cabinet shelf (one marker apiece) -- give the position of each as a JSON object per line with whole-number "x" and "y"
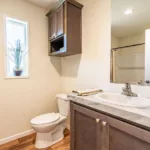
{"x": 55, "y": 39}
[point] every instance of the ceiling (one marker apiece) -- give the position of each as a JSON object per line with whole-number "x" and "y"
{"x": 45, "y": 3}
{"x": 128, "y": 25}
{"x": 122, "y": 25}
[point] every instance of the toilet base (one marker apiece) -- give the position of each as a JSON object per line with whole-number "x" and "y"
{"x": 44, "y": 140}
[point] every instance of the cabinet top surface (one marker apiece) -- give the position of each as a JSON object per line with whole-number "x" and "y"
{"x": 138, "y": 116}
{"x": 73, "y": 2}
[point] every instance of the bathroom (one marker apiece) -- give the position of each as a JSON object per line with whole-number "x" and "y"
{"x": 22, "y": 99}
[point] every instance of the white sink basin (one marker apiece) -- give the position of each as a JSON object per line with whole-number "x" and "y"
{"x": 122, "y": 100}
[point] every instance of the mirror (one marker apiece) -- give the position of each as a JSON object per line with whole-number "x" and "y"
{"x": 130, "y": 42}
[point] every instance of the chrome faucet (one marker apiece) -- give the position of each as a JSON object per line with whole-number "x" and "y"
{"x": 128, "y": 91}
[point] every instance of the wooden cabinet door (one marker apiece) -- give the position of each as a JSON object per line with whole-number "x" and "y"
{"x": 123, "y": 136}
{"x": 85, "y": 129}
{"x": 91, "y": 130}
{"x": 52, "y": 26}
{"x": 60, "y": 20}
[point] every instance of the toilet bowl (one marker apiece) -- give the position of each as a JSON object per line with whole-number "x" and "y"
{"x": 50, "y": 127}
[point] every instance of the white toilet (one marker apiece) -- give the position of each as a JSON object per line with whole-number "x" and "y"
{"x": 50, "y": 127}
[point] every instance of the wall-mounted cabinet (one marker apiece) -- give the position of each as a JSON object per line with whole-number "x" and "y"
{"x": 65, "y": 29}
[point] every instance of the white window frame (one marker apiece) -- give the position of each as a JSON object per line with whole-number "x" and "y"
{"x": 5, "y": 51}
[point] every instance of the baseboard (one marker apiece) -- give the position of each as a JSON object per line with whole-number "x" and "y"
{"x": 17, "y": 136}
{"x": 20, "y": 135}
{"x": 68, "y": 127}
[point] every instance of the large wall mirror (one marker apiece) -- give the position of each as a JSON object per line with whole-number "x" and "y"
{"x": 130, "y": 42}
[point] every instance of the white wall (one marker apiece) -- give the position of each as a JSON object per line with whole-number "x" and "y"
{"x": 23, "y": 99}
{"x": 92, "y": 68}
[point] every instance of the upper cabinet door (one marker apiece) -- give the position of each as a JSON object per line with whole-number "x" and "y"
{"x": 60, "y": 20}
{"x": 53, "y": 26}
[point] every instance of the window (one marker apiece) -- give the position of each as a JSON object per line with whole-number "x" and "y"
{"x": 16, "y": 48}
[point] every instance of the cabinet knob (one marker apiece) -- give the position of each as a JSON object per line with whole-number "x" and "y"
{"x": 97, "y": 120}
{"x": 104, "y": 123}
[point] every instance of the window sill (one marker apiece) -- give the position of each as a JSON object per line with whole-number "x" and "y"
{"x": 17, "y": 78}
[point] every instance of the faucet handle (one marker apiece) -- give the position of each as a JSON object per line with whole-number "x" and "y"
{"x": 147, "y": 81}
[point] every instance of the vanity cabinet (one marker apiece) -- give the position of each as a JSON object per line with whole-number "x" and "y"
{"x": 91, "y": 130}
{"x": 65, "y": 29}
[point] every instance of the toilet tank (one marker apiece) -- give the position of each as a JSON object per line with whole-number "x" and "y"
{"x": 63, "y": 104}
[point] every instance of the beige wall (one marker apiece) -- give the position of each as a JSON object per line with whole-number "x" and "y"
{"x": 91, "y": 69}
{"x": 23, "y": 99}
{"x": 130, "y": 40}
{"x": 114, "y": 42}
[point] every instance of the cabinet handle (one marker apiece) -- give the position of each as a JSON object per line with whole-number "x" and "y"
{"x": 97, "y": 120}
{"x": 104, "y": 123}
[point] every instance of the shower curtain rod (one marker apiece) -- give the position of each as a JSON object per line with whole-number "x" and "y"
{"x": 114, "y": 49}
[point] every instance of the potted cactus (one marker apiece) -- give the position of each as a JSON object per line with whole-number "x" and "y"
{"x": 16, "y": 55}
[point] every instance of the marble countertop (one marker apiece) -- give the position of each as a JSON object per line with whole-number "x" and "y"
{"x": 137, "y": 116}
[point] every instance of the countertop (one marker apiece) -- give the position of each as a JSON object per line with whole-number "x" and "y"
{"x": 136, "y": 116}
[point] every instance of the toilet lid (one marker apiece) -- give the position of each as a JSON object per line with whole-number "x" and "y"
{"x": 46, "y": 118}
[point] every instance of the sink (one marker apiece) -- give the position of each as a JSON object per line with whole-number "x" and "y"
{"x": 122, "y": 100}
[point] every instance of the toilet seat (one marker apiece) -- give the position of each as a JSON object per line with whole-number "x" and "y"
{"x": 45, "y": 119}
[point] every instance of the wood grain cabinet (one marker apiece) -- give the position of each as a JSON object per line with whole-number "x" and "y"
{"x": 65, "y": 29}
{"x": 60, "y": 20}
{"x": 56, "y": 23}
{"x": 91, "y": 130}
{"x": 52, "y": 26}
